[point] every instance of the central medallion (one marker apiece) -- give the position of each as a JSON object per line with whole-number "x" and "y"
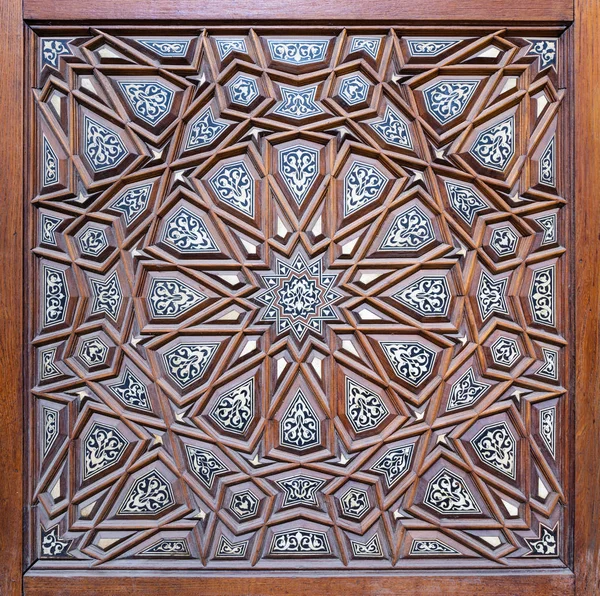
{"x": 299, "y": 296}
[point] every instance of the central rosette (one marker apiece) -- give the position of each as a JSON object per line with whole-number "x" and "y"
{"x": 299, "y": 296}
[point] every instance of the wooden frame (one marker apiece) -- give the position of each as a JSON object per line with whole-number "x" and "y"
{"x": 585, "y": 578}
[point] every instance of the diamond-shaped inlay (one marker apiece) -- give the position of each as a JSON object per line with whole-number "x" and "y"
{"x": 150, "y": 101}
{"x": 448, "y": 493}
{"x": 363, "y": 184}
{"x": 102, "y": 146}
{"x": 103, "y": 447}
{"x": 494, "y": 147}
{"x": 364, "y": 408}
{"x": 300, "y": 428}
{"x": 411, "y": 230}
{"x": 411, "y": 361}
{"x": 495, "y": 446}
{"x": 394, "y": 463}
{"x": 234, "y": 410}
{"x": 234, "y": 184}
{"x": 447, "y": 100}
{"x": 185, "y": 363}
{"x": 428, "y": 296}
{"x": 393, "y": 129}
{"x": 149, "y": 495}
{"x": 299, "y": 168}
{"x": 169, "y": 298}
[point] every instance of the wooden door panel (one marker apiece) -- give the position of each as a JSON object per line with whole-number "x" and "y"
{"x": 299, "y": 299}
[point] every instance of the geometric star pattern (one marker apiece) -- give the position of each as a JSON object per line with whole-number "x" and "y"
{"x": 297, "y": 297}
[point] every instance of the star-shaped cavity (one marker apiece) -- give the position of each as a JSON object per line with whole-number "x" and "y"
{"x": 299, "y": 297}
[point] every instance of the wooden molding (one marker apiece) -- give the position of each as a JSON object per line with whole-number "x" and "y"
{"x": 556, "y": 11}
{"x": 587, "y": 294}
{"x": 530, "y": 584}
{"x": 11, "y": 297}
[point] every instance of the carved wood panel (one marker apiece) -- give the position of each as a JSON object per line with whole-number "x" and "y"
{"x": 299, "y": 299}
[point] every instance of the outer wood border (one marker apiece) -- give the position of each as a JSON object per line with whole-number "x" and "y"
{"x": 327, "y": 10}
{"x": 529, "y": 584}
{"x": 11, "y": 296}
{"x": 587, "y": 293}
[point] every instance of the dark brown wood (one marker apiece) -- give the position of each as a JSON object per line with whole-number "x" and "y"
{"x": 531, "y": 584}
{"x": 587, "y": 293}
{"x": 582, "y": 550}
{"x": 326, "y": 10}
{"x": 11, "y": 296}
{"x": 415, "y": 163}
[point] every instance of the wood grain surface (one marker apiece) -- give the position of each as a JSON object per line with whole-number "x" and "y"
{"x": 11, "y": 296}
{"x": 434, "y": 11}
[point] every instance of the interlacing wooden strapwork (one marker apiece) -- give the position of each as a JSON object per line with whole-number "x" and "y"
{"x": 298, "y": 299}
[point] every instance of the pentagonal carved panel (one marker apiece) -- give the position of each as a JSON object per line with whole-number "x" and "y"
{"x": 298, "y": 301}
